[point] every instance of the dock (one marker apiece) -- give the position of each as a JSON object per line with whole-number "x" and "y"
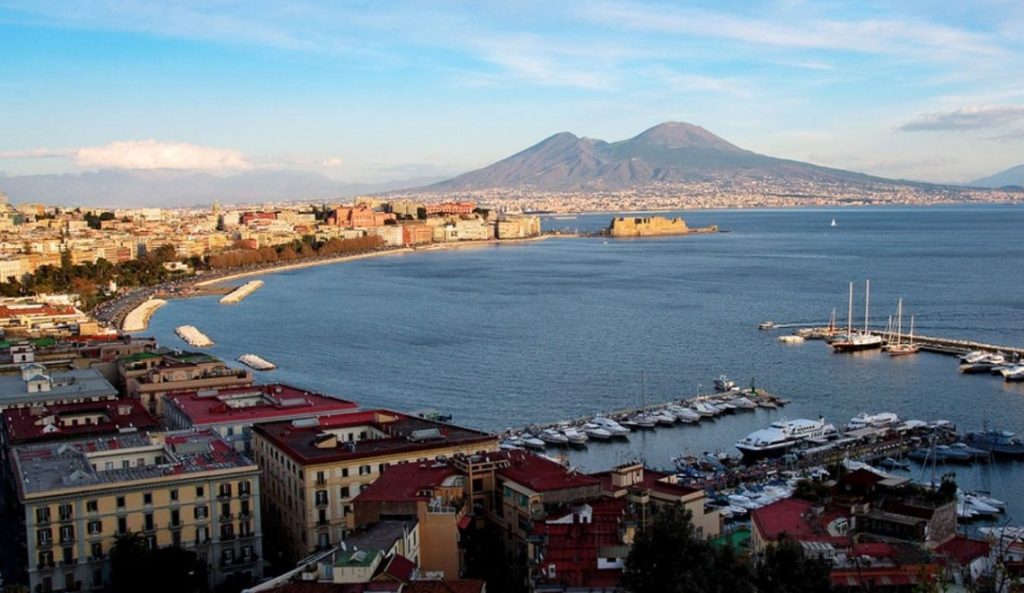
{"x": 940, "y": 345}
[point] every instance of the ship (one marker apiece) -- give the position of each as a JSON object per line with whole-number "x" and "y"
{"x": 1000, "y": 443}
{"x": 783, "y": 435}
{"x": 854, "y": 341}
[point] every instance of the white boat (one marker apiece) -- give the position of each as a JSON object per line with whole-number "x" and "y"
{"x": 882, "y": 420}
{"x": 533, "y": 442}
{"x": 744, "y": 403}
{"x": 854, "y": 341}
{"x": 685, "y": 414}
{"x": 257, "y": 363}
{"x": 664, "y": 418}
{"x": 723, "y": 383}
{"x": 1013, "y": 373}
{"x": 833, "y": 223}
{"x": 973, "y": 356}
{"x": 792, "y": 339}
{"x": 596, "y": 432}
{"x": 575, "y": 436}
{"x": 553, "y": 437}
{"x": 769, "y": 324}
{"x": 782, "y": 435}
{"x": 703, "y": 409}
{"x": 611, "y": 426}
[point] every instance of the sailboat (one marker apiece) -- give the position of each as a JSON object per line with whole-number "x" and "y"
{"x": 833, "y": 223}
{"x": 861, "y": 339}
{"x": 901, "y": 348}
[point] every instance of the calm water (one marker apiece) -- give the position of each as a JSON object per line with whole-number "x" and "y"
{"x": 507, "y": 335}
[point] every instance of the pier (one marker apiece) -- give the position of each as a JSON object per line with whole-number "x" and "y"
{"x": 953, "y": 346}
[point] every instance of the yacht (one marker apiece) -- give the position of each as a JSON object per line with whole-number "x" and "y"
{"x": 723, "y": 383}
{"x": 597, "y": 432}
{"x": 616, "y": 429}
{"x": 882, "y": 420}
{"x": 854, "y": 341}
{"x": 575, "y": 435}
{"x": 553, "y": 437}
{"x": 1013, "y": 373}
{"x": 985, "y": 364}
{"x": 973, "y": 356}
{"x": 685, "y": 414}
{"x": 1001, "y": 443}
{"x": 533, "y": 442}
{"x": 783, "y": 435}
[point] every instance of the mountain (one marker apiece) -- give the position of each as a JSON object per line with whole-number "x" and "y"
{"x": 170, "y": 188}
{"x": 1014, "y": 176}
{"x": 669, "y": 152}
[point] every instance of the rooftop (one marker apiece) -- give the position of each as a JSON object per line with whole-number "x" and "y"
{"x": 76, "y": 383}
{"x": 69, "y": 465}
{"x": 254, "y": 403}
{"x": 381, "y": 536}
{"x": 652, "y": 480}
{"x": 797, "y": 519}
{"x": 79, "y": 419}
{"x": 407, "y": 482}
{"x": 325, "y": 439}
{"x": 540, "y": 474}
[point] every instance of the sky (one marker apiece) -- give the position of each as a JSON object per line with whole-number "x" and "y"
{"x": 376, "y": 91}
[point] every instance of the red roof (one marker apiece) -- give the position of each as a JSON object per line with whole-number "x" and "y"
{"x": 406, "y": 482}
{"x": 964, "y": 550}
{"x": 541, "y": 474}
{"x": 40, "y": 309}
{"x": 400, "y": 569}
{"x": 460, "y": 586}
{"x": 58, "y": 421}
{"x": 261, "y": 403}
{"x": 573, "y": 544}
{"x": 652, "y": 480}
{"x": 795, "y": 518}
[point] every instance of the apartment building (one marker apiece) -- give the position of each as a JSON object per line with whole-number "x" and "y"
{"x": 232, "y": 411}
{"x": 35, "y": 385}
{"x": 312, "y": 469}
{"x": 189, "y": 489}
{"x": 150, "y": 376}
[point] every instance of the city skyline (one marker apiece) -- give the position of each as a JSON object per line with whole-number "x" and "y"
{"x": 377, "y": 93}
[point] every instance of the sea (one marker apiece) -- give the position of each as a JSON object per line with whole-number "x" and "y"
{"x": 507, "y": 335}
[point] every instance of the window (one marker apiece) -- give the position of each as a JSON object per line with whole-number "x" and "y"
{"x": 380, "y": 468}
{"x": 108, "y": 465}
{"x": 67, "y": 556}
{"x": 174, "y": 495}
{"x": 176, "y": 539}
{"x": 225, "y": 490}
{"x": 44, "y": 536}
{"x": 200, "y": 512}
{"x": 46, "y": 558}
{"x": 225, "y": 509}
{"x": 364, "y": 470}
{"x": 202, "y": 536}
{"x": 321, "y": 497}
{"x": 122, "y": 525}
{"x": 344, "y": 472}
{"x": 120, "y": 502}
{"x": 67, "y": 533}
{"x": 244, "y": 488}
{"x": 148, "y": 522}
{"x": 97, "y": 550}
{"x": 245, "y": 508}
{"x": 345, "y": 492}
{"x": 147, "y": 498}
{"x": 94, "y": 527}
{"x": 320, "y": 479}
{"x": 199, "y": 492}
{"x": 65, "y": 512}
{"x": 42, "y": 514}
{"x": 175, "y": 518}
{"x": 92, "y": 506}
{"x": 227, "y": 556}
{"x": 126, "y": 464}
{"x": 227, "y": 531}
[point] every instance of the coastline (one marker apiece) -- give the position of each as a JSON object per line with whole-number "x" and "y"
{"x": 137, "y": 319}
{"x": 346, "y": 258}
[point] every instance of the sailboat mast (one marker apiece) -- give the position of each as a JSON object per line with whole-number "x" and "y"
{"x": 849, "y": 313}
{"x": 911, "y": 330}
{"x": 867, "y": 301}
{"x": 899, "y": 322}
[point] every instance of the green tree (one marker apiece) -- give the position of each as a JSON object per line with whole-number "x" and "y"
{"x": 128, "y": 563}
{"x": 667, "y": 557}
{"x": 785, "y": 569}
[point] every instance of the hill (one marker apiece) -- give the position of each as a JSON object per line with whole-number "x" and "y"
{"x": 1012, "y": 177}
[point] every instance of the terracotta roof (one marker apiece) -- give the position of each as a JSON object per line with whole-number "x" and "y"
{"x": 964, "y": 550}
{"x": 399, "y": 568}
{"x": 794, "y": 517}
{"x": 541, "y": 474}
{"x": 406, "y": 481}
{"x": 54, "y": 421}
{"x": 652, "y": 480}
{"x": 262, "y": 402}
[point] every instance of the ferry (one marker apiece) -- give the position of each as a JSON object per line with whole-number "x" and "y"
{"x": 882, "y": 420}
{"x": 783, "y": 435}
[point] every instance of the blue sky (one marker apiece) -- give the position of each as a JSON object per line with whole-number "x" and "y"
{"x": 371, "y": 91}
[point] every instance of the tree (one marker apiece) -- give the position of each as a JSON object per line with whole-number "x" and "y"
{"x": 132, "y": 562}
{"x": 128, "y": 562}
{"x": 667, "y": 557}
{"x": 785, "y": 569}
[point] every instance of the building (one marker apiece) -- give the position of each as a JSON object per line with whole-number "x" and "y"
{"x": 517, "y": 227}
{"x": 416, "y": 233}
{"x": 21, "y": 317}
{"x": 649, "y": 489}
{"x": 584, "y": 547}
{"x": 62, "y": 421}
{"x": 191, "y": 490}
{"x": 432, "y": 492}
{"x": 149, "y": 376}
{"x": 36, "y": 386}
{"x": 450, "y": 208}
{"x": 798, "y": 520}
{"x": 313, "y": 469}
{"x": 232, "y": 411}
{"x": 360, "y": 217}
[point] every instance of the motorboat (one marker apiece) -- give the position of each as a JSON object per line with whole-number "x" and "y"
{"x": 783, "y": 435}
{"x": 553, "y": 437}
{"x": 1013, "y": 372}
{"x": 685, "y": 415}
{"x": 616, "y": 429}
{"x": 597, "y": 432}
{"x": 983, "y": 365}
{"x": 769, "y": 324}
{"x": 792, "y": 339}
{"x": 974, "y": 452}
{"x": 973, "y": 356}
{"x": 881, "y": 420}
{"x": 723, "y": 383}
{"x": 743, "y": 403}
{"x": 575, "y": 436}
{"x": 704, "y": 410}
{"x": 533, "y": 443}
{"x": 1001, "y": 443}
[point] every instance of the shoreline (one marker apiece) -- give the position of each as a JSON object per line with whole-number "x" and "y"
{"x": 346, "y": 258}
{"x": 146, "y": 309}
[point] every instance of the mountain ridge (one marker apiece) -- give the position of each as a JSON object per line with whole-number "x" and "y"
{"x": 1012, "y": 177}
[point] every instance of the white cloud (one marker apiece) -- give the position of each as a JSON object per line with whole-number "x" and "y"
{"x": 153, "y": 154}
{"x": 967, "y": 118}
{"x": 35, "y": 153}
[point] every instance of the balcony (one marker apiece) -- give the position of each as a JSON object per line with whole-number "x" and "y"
{"x": 150, "y": 528}
{"x": 66, "y": 518}
{"x": 226, "y": 517}
{"x": 321, "y": 503}
{"x": 224, "y": 496}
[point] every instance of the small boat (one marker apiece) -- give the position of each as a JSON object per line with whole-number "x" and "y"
{"x": 642, "y": 421}
{"x": 575, "y": 436}
{"x": 792, "y": 339}
{"x": 769, "y": 324}
{"x": 664, "y": 418}
{"x": 723, "y": 383}
{"x": 890, "y": 463}
{"x": 743, "y": 403}
{"x": 533, "y": 443}
{"x": 616, "y": 429}
{"x": 973, "y": 356}
{"x": 901, "y": 348}
{"x": 983, "y": 365}
{"x": 553, "y": 437}
{"x": 974, "y": 452}
{"x": 1001, "y": 443}
{"x": 1013, "y": 373}
{"x": 833, "y": 223}
{"x": 596, "y": 432}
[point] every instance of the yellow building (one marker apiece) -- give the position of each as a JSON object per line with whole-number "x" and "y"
{"x": 187, "y": 489}
{"x": 312, "y": 469}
